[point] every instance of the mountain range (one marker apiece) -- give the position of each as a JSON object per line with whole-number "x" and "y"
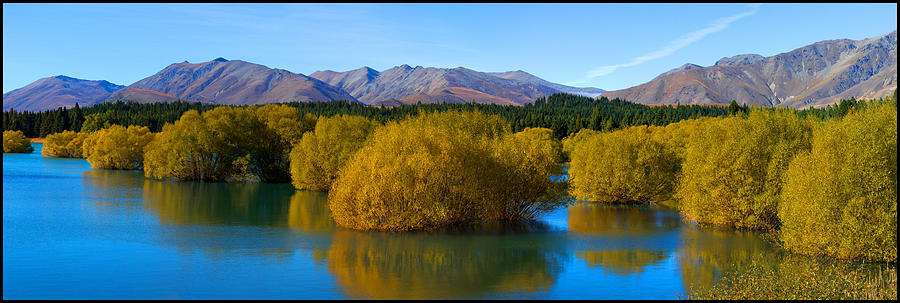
{"x": 408, "y": 85}
{"x": 813, "y": 75}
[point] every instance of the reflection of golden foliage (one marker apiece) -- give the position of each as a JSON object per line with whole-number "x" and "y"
{"x": 419, "y": 266}
{"x": 706, "y": 254}
{"x": 309, "y": 211}
{"x": 102, "y": 184}
{"x": 187, "y": 203}
{"x": 622, "y": 261}
{"x": 596, "y": 218}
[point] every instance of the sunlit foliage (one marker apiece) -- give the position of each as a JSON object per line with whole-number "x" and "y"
{"x": 14, "y": 141}
{"x": 436, "y": 169}
{"x": 840, "y": 198}
{"x": 623, "y": 166}
{"x": 732, "y": 169}
{"x": 117, "y": 147}
{"x": 95, "y": 122}
{"x": 67, "y": 144}
{"x": 569, "y": 143}
{"x": 316, "y": 159}
{"x": 223, "y": 144}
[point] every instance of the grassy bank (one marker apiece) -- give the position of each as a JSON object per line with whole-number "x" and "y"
{"x": 804, "y": 278}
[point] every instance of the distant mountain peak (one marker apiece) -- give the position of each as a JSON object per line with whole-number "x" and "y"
{"x": 58, "y": 91}
{"x": 740, "y": 60}
{"x": 220, "y": 59}
{"x": 816, "y": 74}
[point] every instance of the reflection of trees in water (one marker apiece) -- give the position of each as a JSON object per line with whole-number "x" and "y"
{"x": 382, "y": 265}
{"x": 706, "y": 254}
{"x": 622, "y": 262}
{"x": 636, "y": 231}
{"x": 309, "y": 212}
{"x": 620, "y": 220}
{"x": 224, "y": 221}
{"x": 197, "y": 203}
{"x": 104, "y": 185}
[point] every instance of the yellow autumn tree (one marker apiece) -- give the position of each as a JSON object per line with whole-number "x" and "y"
{"x": 569, "y": 143}
{"x": 117, "y": 147}
{"x": 437, "y": 169}
{"x": 840, "y": 197}
{"x": 67, "y": 144}
{"x": 316, "y": 159}
{"x": 527, "y": 160}
{"x": 14, "y": 141}
{"x": 288, "y": 128}
{"x": 627, "y": 165}
{"x": 732, "y": 170}
{"x": 223, "y": 144}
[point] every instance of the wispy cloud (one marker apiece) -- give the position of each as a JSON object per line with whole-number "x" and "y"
{"x": 670, "y": 48}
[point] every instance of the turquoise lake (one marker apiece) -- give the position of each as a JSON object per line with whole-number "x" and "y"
{"x": 73, "y": 232}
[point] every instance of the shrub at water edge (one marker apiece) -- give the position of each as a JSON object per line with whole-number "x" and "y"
{"x": 67, "y": 144}
{"x": 569, "y": 143}
{"x": 440, "y": 169}
{"x": 14, "y": 141}
{"x": 623, "y": 166}
{"x": 117, "y": 147}
{"x": 732, "y": 170}
{"x": 840, "y": 198}
{"x": 316, "y": 159}
{"x": 223, "y": 144}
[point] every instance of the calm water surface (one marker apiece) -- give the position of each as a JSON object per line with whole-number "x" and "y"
{"x": 73, "y": 232}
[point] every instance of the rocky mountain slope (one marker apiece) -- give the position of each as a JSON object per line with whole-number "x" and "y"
{"x": 232, "y": 82}
{"x": 407, "y": 85}
{"x": 59, "y": 91}
{"x": 813, "y": 75}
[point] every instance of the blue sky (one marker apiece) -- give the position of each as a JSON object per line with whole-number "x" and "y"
{"x": 609, "y": 46}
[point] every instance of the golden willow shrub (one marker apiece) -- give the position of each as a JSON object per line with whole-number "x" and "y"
{"x": 316, "y": 159}
{"x": 67, "y": 144}
{"x": 733, "y": 167}
{"x": 569, "y": 143}
{"x": 446, "y": 168}
{"x": 14, "y": 141}
{"x": 223, "y": 144}
{"x": 840, "y": 198}
{"x": 677, "y": 135}
{"x": 286, "y": 124}
{"x": 117, "y": 147}
{"x": 623, "y": 166}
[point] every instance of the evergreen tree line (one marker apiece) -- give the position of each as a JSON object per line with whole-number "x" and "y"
{"x": 565, "y": 114}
